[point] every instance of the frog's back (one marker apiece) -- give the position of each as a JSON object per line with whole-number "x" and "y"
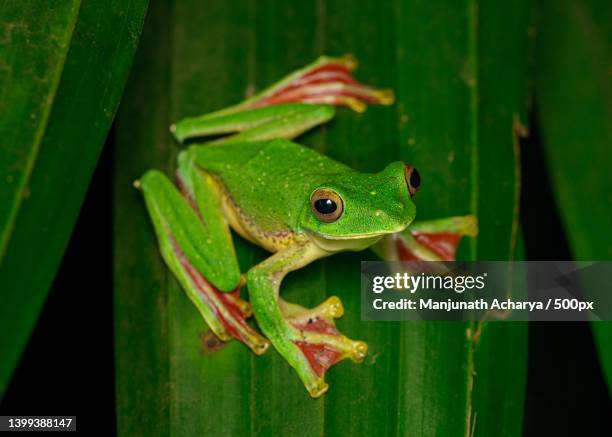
{"x": 224, "y": 159}
{"x": 270, "y": 181}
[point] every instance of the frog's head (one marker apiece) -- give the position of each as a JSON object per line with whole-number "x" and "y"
{"x": 362, "y": 206}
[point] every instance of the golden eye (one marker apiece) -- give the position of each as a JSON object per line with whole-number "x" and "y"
{"x": 326, "y": 205}
{"x": 413, "y": 179}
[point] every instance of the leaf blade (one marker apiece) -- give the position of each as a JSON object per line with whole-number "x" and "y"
{"x": 260, "y": 44}
{"x": 19, "y": 97}
{"x": 575, "y": 109}
{"x": 90, "y": 81}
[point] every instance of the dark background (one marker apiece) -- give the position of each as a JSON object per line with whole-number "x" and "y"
{"x": 68, "y": 365}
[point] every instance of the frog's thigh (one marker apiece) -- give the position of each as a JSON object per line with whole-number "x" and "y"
{"x": 193, "y": 225}
{"x": 195, "y": 243}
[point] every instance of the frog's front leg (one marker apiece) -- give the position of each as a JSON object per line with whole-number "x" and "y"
{"x": 196, "y": 244}
{"x": 429, "y": 240}
{"x": 307, "y": 339}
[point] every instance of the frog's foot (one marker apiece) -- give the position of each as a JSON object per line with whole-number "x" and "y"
{"x": 325, "y": 81}
{"x": 227, "y": 312}
{"x": 319, "y": 341}
{"x": 434, "y": 240}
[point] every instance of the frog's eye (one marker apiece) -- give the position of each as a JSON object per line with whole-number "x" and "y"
{"x": 326, "y": 205}
{"x": 413, "y": 179}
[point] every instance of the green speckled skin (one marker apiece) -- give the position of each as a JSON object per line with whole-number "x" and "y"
{"x": 266, "y": 188}
{"x": 271, "y": 182}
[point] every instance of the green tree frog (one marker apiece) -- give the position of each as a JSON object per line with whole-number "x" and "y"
{"x": 292, "y": 201}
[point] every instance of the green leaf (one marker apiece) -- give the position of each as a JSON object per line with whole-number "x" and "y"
{"x": 460, "y": 71}
{"x": 62, "y": 70}
{"x": 574, "y": 95}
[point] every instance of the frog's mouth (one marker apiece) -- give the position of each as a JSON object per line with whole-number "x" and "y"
{"x": 353, "y": 242}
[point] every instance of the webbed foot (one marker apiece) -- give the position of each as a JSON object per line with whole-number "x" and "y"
{"x": 433, "y": 240}
{"x": 319, "y": 341}
{"x": 327, "y": 81}
{"x": 228, "y": 312}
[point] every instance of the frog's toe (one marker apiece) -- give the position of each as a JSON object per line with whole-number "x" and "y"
{"x": 318, "y": 388}
{"x": 326, "y": 349}
{"x": 360, "y": 350}
{"x": 331, "y": 309}
{"x": 245, "y": 308}
{"x": 333, "y": 306}
{"x": 259, "y": 346}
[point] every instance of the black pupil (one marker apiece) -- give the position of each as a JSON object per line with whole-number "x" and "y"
{"x": 325, "y": 206}
{"x": 415, "y": 178}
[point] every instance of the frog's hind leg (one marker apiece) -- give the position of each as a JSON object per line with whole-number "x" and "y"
{"x": 293, "y": 105}
{"x": 196, "y": 244}
{"x": 257, "y": 124}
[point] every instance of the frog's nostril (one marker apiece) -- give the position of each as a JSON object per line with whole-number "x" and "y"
{"x": 413, "y": 179}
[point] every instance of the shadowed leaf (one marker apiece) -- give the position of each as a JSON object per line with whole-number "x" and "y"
{"x": 574, "y": 95}
{"x": 62, "y": 70}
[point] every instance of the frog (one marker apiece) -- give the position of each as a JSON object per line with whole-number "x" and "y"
{"x": 250, "y": 178}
